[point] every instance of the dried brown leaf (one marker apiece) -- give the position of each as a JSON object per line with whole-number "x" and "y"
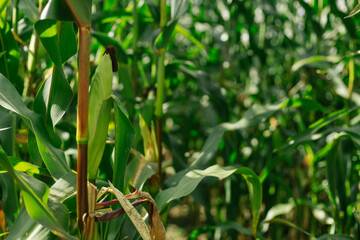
{"x": 157, "y": 230}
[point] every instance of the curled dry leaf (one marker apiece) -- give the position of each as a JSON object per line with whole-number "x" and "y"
{"x": 157, "y": 230}
{"x": 134, "y": 216}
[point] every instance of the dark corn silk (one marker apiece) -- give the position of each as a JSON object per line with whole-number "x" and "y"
{"x": 112, "y": 51}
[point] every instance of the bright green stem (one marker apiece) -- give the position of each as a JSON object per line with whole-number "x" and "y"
{"x": 82, "y": 124}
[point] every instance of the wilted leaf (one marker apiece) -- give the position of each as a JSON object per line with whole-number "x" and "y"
{"x": 355, "y": 11}
{"x": 157, "y": 229}
{"x": 132, "y": 213}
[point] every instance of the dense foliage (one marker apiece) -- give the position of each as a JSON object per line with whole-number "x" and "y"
{"x": 240, "y": 118}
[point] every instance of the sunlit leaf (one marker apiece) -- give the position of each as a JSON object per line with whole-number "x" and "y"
{"x": 99, "y": 113}
{"x": 25, "y": 167}
{"x": 314, "y": 59}
{"x": 35, "y": 194}
{"x": 189, "y": 182}
{"x": 53, "y": 157}
{"x": 58, "y": 10}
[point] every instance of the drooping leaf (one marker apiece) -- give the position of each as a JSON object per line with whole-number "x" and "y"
{"x": 334, "y": 237}
{"x": 33, "y": 149}
{"x": 29, "y": 8}
{"x": 178, "y": 8}
{"x": 53, "y": 157}
{"x": 164, "y": 37}
{"x": 290, "y": 224}
{"x": 9, "y": 198}
{"x": 132, "y": 213}
{"x": 63, "y": 189}
{"x": 224, "y": 227}
{"x": 309, "y": 135}
{"x": 25, "y": 167}
{"x": 50, "y": 101}
{"x": 7, "y": 135}
{"x": 252, "y": 117}
{"x": 3, "y": 5}
{"x": 27, "y": 228}
{"x": 157, "y": 230}
{"x": 35, "y": 194}
{"x": 355, "y": 11}
{"x": 57, "y": 10}
{"x": 314, "y": 59}
{"x": 67, "y": 41}
{"x": 188, "y": 183}
{"x": 47, "y": 31}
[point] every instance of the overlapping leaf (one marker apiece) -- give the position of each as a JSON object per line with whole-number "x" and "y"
{"x": 55, "y": 94}
{"x": 188, "y": 183}
{"x": 35, "y": 194}
{"x": 53, "y": 157}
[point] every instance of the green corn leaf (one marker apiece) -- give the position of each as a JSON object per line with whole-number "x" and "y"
{"x": 124, "y": 138}
{"x": 53, "y": 157}
{"x": 35, "y": 194}
{"x": 188, "y": 183}
{"x": 81, "y": 10}
{"x": 30, "y": 9}
{"x": 334, "y": 237}
{"x": 314, "y": 59}
{"x": 309, "y": 135}
{"x": 25, "y": 167}
{"x": 50, "y": 102}
{"x": 150, "y": 147}
{"x": 290, "y": 224}
{"x": 99, "y": 113}
{"x": 164, "y": 37}
{"x": 252, "y": 117}
{"x": 178, "y": 8}
{"x": 9, "y": 198}
{"x": 57, "y": 10}
{"x": 224, "y": 227}
{"x": 63, "y": 189}
{"x": 3, "y": 5}
{"x": 139, "y": 170}
{"x": 26, "y": 228}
